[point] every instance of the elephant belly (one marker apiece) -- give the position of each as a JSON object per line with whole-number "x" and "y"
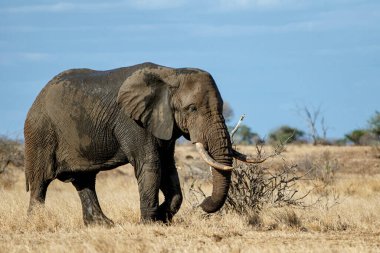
{"x": 92, "y": 155}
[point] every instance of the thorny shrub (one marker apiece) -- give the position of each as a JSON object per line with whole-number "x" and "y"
{"x": 254, "y": 186}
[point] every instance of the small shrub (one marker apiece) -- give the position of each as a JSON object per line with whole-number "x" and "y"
{"x": 8, "y": 179}
{"x": 323, "y": 167}
{"x": 253, "y": 187}
{"x": 255, "y": 220}
{"x": 288, "y": 217}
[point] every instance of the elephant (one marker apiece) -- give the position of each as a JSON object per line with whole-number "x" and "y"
{"x": 86, "y": 121}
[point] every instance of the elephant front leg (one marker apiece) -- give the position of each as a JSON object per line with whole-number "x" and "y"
{"x": 148, "y": 177}
{"x": 171, "y": 189}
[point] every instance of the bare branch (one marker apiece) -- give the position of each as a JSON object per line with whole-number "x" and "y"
{"x": 311, "y": 118}
{"x": 260, "y": 154}
{"x": 237, "y": 127}
{"x": 311, "y": 121}
{"x": 324, "y": 128}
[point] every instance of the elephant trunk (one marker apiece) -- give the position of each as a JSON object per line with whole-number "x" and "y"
{"x": 221, "y": 184}
{"x": 218, "y": 145}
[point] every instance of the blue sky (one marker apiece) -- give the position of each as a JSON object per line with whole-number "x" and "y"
{"x": 268, "y": 57}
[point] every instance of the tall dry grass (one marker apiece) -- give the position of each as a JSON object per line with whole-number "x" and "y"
{"x": 344, "y": 216}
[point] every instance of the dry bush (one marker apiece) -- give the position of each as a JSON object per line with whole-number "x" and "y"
{"x": 320, "y": 167}
{"x": 11, "y": 152}
{"x": 8, "y": 179}
{"x": 254, "y": 187}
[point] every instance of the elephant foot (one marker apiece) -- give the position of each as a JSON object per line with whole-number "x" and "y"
{"x": 169, "y": 208}
{"x": 149, "y": 216}
{"x": 164, "y": 214}
{"x": 98, "y": 221}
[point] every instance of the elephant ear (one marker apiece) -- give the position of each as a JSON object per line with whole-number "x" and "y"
{"x": 144, "y": 96}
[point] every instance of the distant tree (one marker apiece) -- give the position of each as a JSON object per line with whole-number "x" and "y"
{"x": 312, "y": 117}
{"x": 228, "y": 113}
{"x": 369, "y": 136}
{"x": 245, "y": 136}
{"x": 374, "y": 124}
{"x": 286, "y": 134}
{"x": 356, "y": 135}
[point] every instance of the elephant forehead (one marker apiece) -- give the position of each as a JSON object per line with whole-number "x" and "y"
{"x": 200, "y": 82}
{"x": 201, "y": 89}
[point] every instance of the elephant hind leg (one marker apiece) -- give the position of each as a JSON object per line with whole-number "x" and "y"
{"x": 40, "y": 164}
{"x": 92, "y": 212}
{"x": 37, "y": 194}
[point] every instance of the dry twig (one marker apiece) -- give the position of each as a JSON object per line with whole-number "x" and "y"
{"x": 237, "y": 127}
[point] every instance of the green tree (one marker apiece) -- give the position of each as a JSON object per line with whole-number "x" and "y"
{"x": 370, "y": 136}
{"x": 356, "y": 135}
{"x": 374, "y": 123}
{"x": 244, "y": 135}
{"x": 286, "y": 134}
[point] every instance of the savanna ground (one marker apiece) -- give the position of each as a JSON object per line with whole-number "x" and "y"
{"x": 340, "y": 214}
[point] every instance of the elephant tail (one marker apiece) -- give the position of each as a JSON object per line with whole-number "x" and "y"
{"x": 26, "y": 181}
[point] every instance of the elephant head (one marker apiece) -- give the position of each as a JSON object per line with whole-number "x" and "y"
{"x": 169, "y": 101}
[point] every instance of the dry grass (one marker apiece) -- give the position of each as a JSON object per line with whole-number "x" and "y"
{"x": 345, "y": 218}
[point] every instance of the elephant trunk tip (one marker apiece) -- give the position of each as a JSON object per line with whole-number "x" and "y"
{"x": 211, "y": 206}
{"x": 221, "y": 185}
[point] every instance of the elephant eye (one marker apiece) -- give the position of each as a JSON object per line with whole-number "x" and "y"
{"x": 191, "y": 108}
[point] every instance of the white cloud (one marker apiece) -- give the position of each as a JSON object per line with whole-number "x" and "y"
{"x": 230, "y": 5}
{"x": 11, "y": 58}
{"x": 33, "y": 56}
{"x": 59, "y": 7}
{"x": 209, "y": 5}
{"x": 367, "y": 50}
{"x": 261, "y": 4}
{"x": 96, "y": 6}
{"x": 278, "y": 5}
{"x": 157, "y": 4}
{"x": 242, "y": 30}
{"x": 55, "y": 7}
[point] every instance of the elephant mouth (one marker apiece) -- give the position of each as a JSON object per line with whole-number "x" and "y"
{"x": 210, "y": 161}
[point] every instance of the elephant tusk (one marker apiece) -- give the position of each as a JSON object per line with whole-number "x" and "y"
{"x": 245, "y": 158}
{"x": 209, "y": 160}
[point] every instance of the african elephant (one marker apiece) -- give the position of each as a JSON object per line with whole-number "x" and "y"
{"x": 86, "y": 121}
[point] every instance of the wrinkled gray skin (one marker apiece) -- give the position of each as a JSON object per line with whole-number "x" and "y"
{"x": 86, "y": 121}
